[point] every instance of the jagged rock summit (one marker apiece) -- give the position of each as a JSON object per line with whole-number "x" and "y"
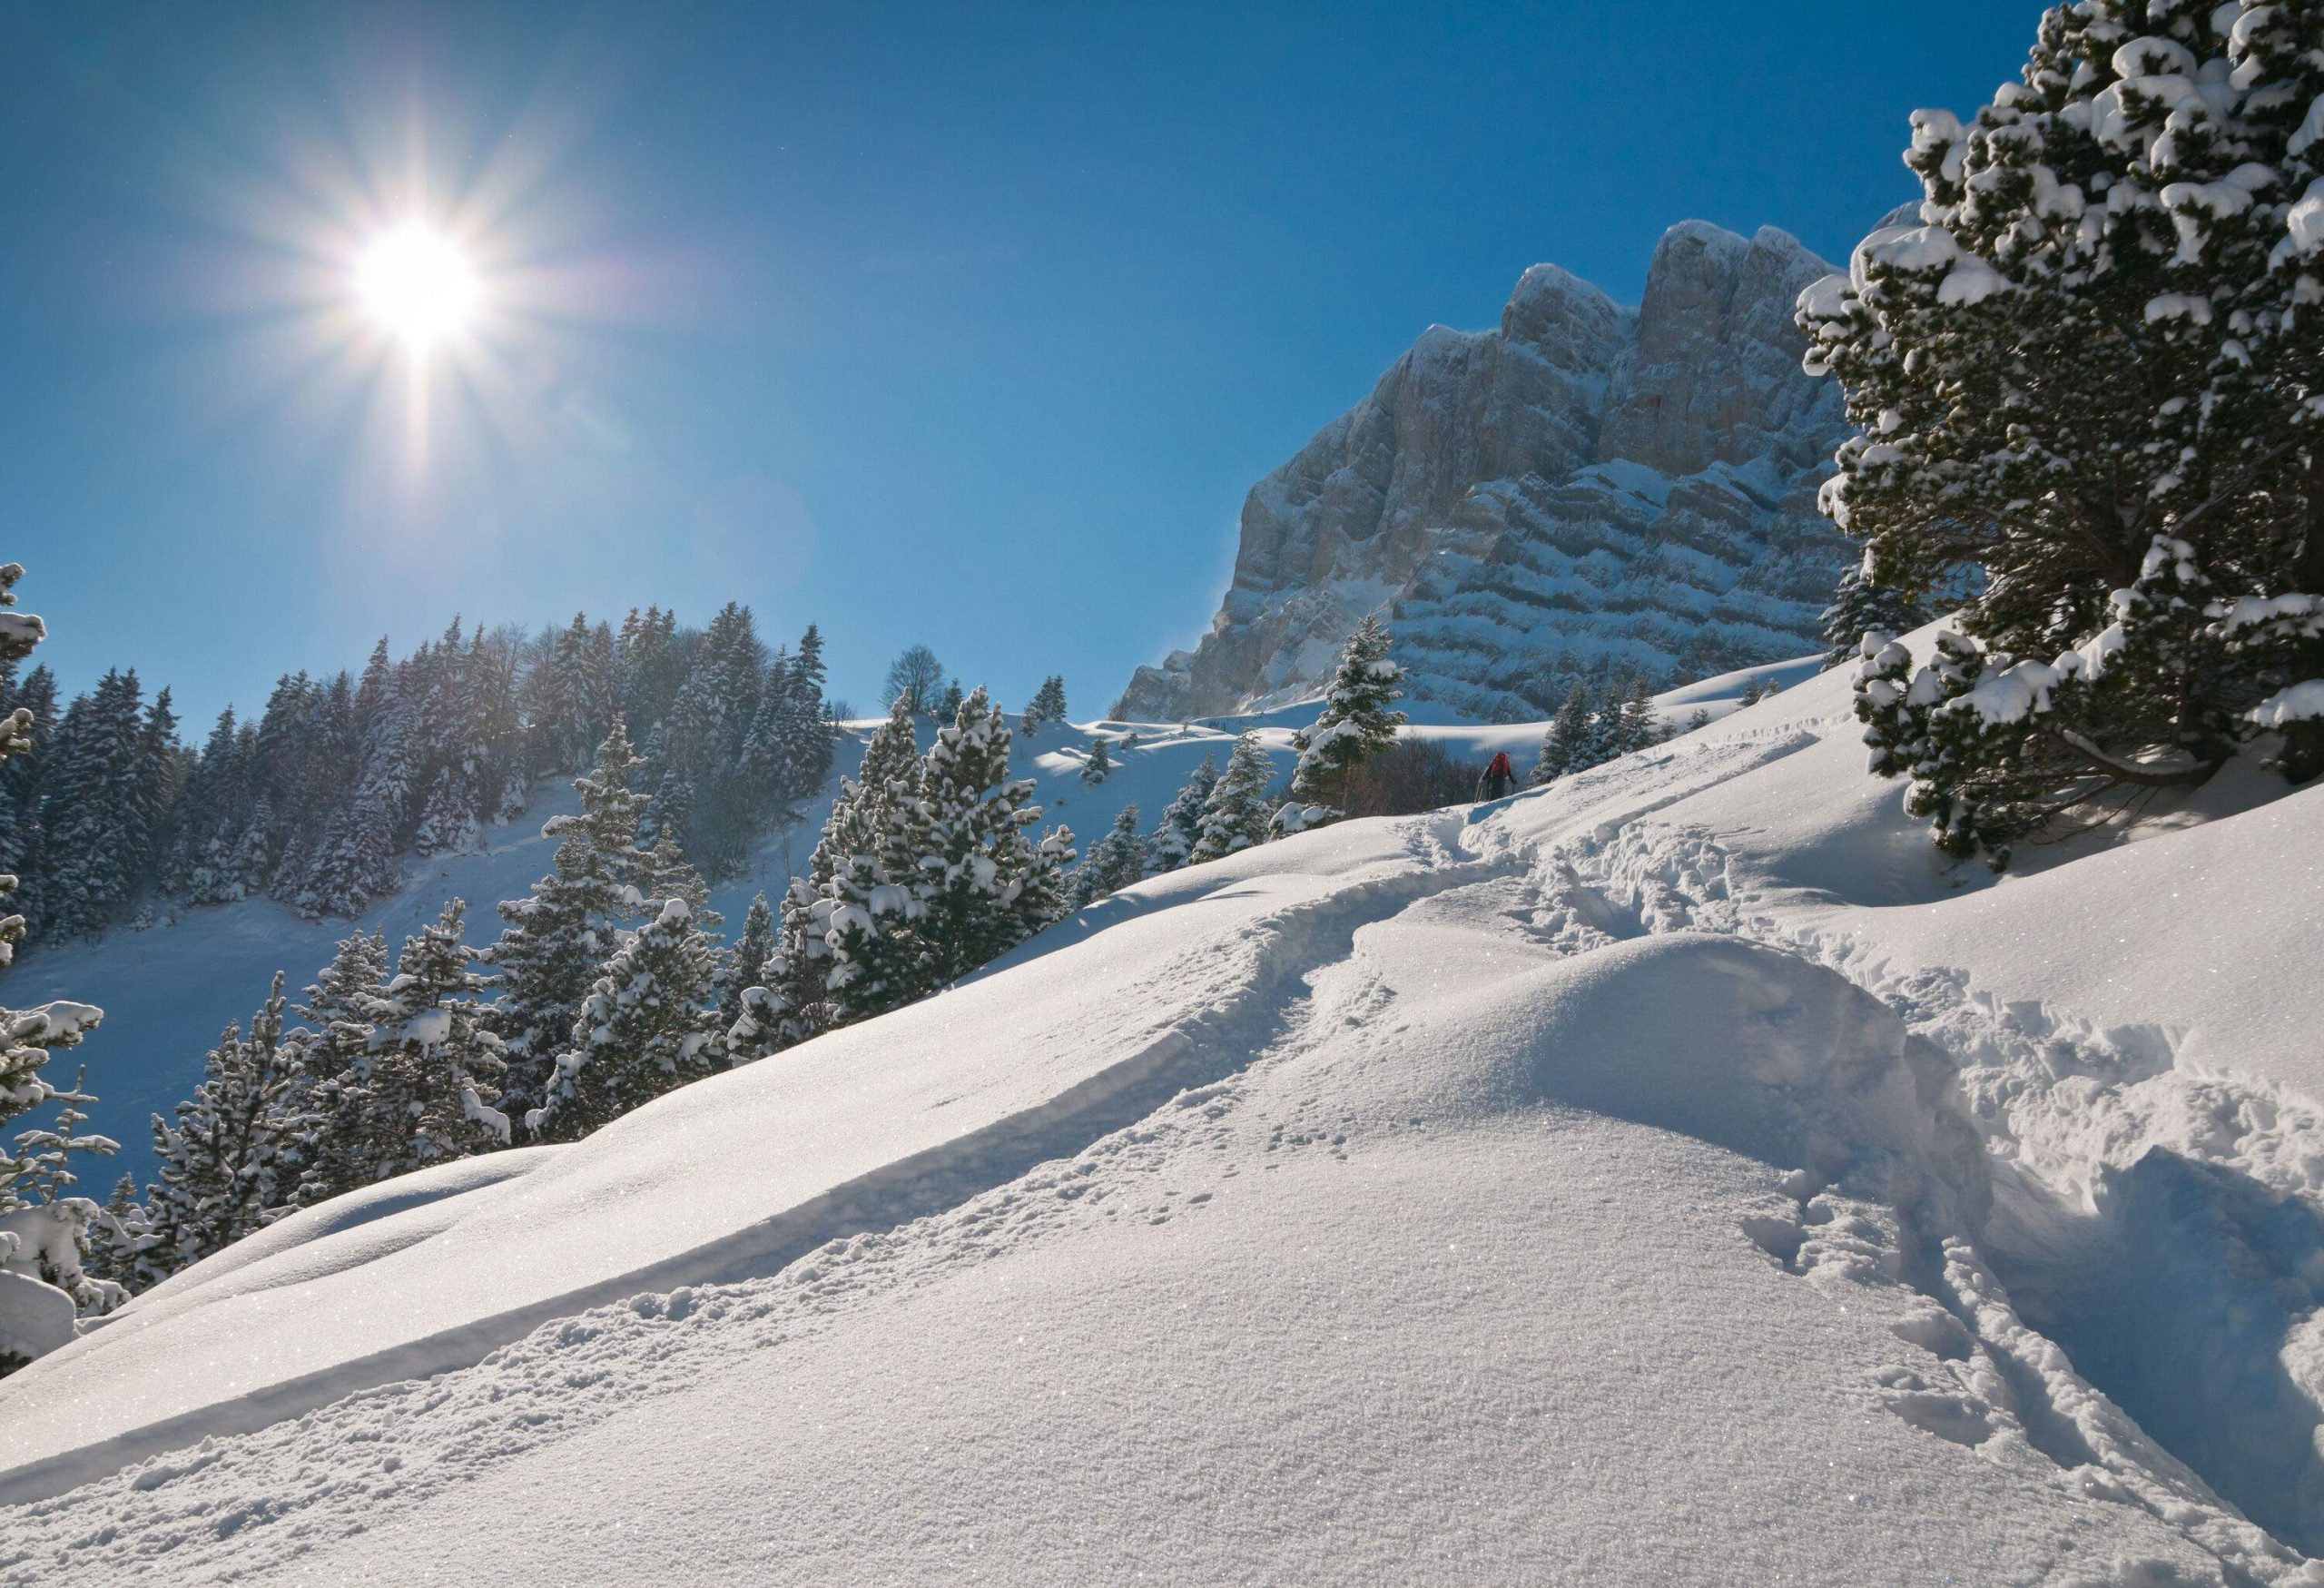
{"x": 1587, "y": 484}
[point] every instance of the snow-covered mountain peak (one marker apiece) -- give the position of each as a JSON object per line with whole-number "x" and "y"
{"x": 1713, "y": 375}
{"x": 1552, "y": 308}
{"x": 1583, "y": 482}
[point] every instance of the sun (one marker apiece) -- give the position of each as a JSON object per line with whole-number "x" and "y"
{"x": 417, "y": 284}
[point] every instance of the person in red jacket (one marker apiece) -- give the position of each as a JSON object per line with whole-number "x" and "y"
{"x": 1499, "y": 778}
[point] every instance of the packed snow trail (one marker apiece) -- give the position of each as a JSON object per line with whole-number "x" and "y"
{"x": 1586, "y": 1189}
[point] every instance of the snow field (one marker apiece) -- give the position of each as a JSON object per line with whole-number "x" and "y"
{"x": 1361, "y": 1300}
{"x": 1667, "y": 1177}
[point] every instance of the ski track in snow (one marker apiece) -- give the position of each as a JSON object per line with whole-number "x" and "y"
{"x": 2050, "y": 1153}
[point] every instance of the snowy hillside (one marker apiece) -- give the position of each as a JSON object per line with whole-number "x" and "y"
{"x": 168, "y": 990}
{"x": 1672, "y": 1176}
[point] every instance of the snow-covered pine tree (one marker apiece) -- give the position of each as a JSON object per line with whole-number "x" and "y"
{"x": 1098, "y": 764}
{"x": 276, "y": 762}
{"x": 682, "y": 746}
{"x": 649, "y": 1025}
{"x": 1180, "y": 829}
{"x": 1113, "y": 863}
{"x": 1047, "y": 705}
{"x": 745, "y": 963}
{"x": 213, "y": 811}
{"x": 424, "y": 1092}
{"x": 952, "y": 879}
{"x": 20, "y": 634}
{"x": 1634, "y": 726}
{"x": 497, "y": 721}
{"x": 967, "y": 843}
{"x": 555, "y": 941}
{"x": 32, "y": 1317}
{"x": 1862, "y": 604}
{"x": 806, "y": 740}
{"x": 600, "y": 687}
{"x": 1358, "y": 719}
{"x": 948, "y": 704}
{"x": 29, "y": 1038}
{"x": 712, "y": 746}
{"x": 651, "y": 670}
{"x": 446, "y": 762}
{"x": 560, "y": 699}
{"x": 874, "y": 928}
{"x": 2087, "y": 374}
{"x": 160, "y": 780}
{"x": 761, "y": 769}
{"x": 671, "y": 876}
{"x": 119, "y": 1237}
{"x": 356, "y": 860}
{"x": 302, "y": 759}
{"x": 1040, "y": 900}
{"x": 1235, "y": 815}
{"x": 447, "y": 822}
{"x": 671, "y": 808}
{"x": 44, "y": 1154}
{"x": 800, "y": 994}
{"x": 1567, "y": 745}
{"x": 335, "y": 1035}
{"x": 337, "y": 1011}
{"x": 34, "y": 705}
{"x": 96, "y": 808}
{"x": 229, "y": 1163}
{"x": 472, "y": 772}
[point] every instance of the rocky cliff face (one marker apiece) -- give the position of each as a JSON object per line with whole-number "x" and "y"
{"x": 1586, "y": 485}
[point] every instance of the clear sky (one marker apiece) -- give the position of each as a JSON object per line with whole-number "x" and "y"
{"x": 965, "y": 324}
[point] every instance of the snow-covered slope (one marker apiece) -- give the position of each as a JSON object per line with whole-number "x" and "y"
{"x": 168, "y": 990}
{"x": 1673, "y": 1176}
{"x": 1585, "y": 480}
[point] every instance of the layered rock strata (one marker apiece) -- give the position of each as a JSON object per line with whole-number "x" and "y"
{"x": 1585, "y": 484}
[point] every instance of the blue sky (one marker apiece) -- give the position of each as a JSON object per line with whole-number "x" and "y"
{"x": 960, "y": 324}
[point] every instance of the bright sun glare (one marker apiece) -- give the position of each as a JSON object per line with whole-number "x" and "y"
{"x": 417, "y": 284}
